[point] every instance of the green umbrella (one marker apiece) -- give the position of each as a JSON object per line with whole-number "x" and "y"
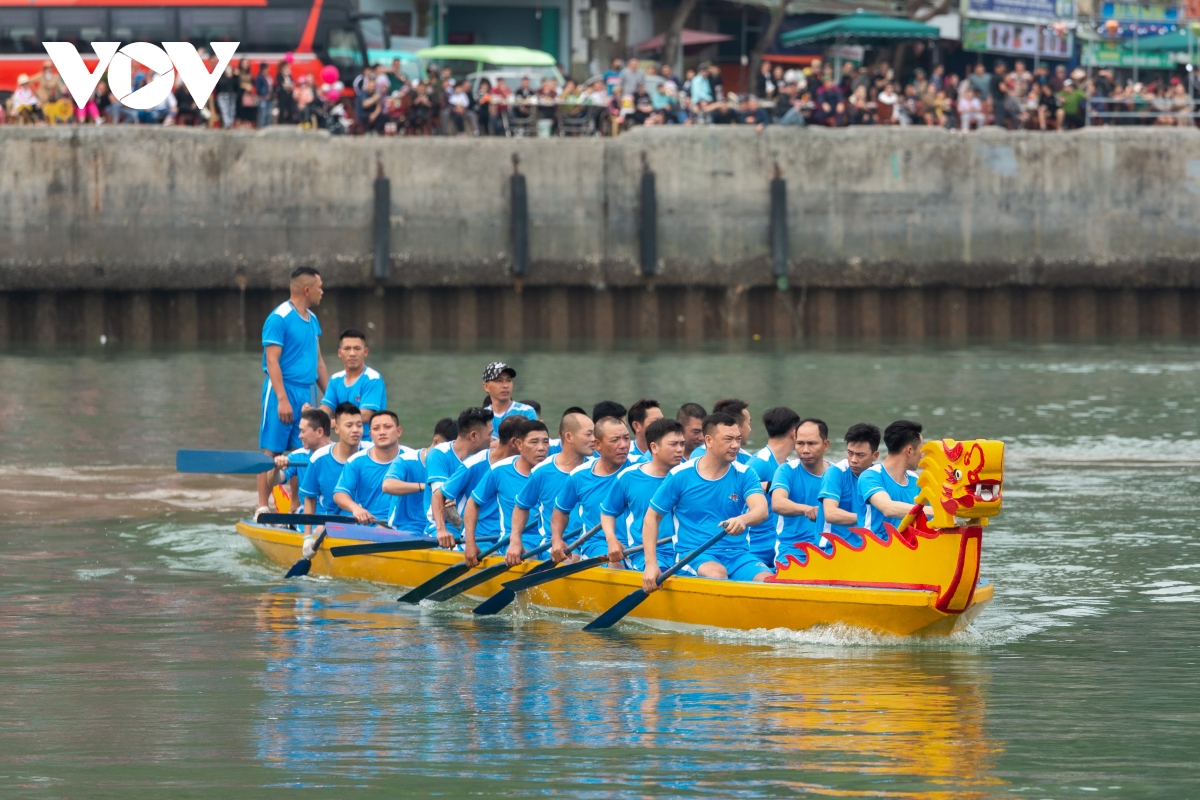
{"x": 860, "y": 27}
{"x": 1176, "y": 42}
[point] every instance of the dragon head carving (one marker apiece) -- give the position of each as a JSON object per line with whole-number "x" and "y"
{"x": 962, "y": 479}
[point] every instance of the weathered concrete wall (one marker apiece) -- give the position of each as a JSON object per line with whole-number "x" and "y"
{"x": 137, "y": 209}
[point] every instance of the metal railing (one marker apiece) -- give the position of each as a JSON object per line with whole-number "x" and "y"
{"x": 1106, "y": 110}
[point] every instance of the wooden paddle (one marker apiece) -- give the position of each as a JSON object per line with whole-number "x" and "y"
{"x": 231, "y": 462}
{"x": 444, "y": 577}
{"x": 634, "y": 599}
{"x": 501, "y": 599}
{"x": 531, "y": 579}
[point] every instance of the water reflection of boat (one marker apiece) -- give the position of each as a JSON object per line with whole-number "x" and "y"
{"x": 920, "y": 580}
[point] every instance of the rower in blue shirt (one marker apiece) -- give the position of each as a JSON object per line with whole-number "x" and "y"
{"x": 536, "y": 498}
{"x": 407, "y": 477}
{"x": 474, "y": 434}
{"x": 469, "y": 475}
{"x": 630, "y": 496}
{"x": 781, "y": 424}
{"x": 357, "y": 383}
{"x": 360, "y": 489}
{"x": 889, "y": 488}
{"x": 708, "y": 494}
{"x": 497, "y": 493}
{"x": 740, "y": 411}
{"x": 555, "y": 443}
{"x": 291, "y": 362}
{"x": 841, "y": 502}
{"x": 325, "y": 466}
{"x": 587, "y": 486}
{"x": 641, "y": 414}
{"x": 794, "y": 493}
{"x": 498, "y": 383}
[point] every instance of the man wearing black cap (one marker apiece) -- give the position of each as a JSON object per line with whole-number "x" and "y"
{"x": 498, "y": 383}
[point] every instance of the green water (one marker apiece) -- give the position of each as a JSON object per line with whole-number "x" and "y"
{"x": 148, "y": 651}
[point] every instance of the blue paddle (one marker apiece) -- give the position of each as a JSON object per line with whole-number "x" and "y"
{"x": 501, "y": 599}
{"x": 634, "y": 599}
{"x": 231, "y": 462}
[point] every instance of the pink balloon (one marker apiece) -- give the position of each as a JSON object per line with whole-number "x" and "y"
{"x": 329, "y": 73}
{"x": 289, "y": 58}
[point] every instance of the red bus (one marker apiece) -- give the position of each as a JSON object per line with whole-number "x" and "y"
{"x": 317, "y": 32}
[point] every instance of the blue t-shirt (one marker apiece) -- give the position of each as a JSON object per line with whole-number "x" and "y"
{"x": 841, "y": 484}
{"x": 636, "y": 453}
{"x": 500, "y": 487}
{"x": 408, "y": 510}
{"x": 298, "y": 337}
{"x": 699, "y": 505}
{"x": 628, "y": 500}
{"x": 320, "y": 478}
{"x": 459, "y": 489}
{"x": 555, "y": 448}
{"x": 441, "y": 463}
{"x": 743, "y": 456}
{"x": 875, "y": 479}
{"x": 763, "y": 535}
{"x": 538, "y": 493}
{"x": 802, "y": 487}
{"x": 368, "y": 393}
{"x": 362, "y": 479}
{"x": 520, "y": 409}
{"x": 583, "y": 491}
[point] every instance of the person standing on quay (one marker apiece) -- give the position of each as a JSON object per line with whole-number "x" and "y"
{"x": 292, "y": 362}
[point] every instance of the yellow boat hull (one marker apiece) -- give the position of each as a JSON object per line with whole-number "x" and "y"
{"x": 684, "y": 603}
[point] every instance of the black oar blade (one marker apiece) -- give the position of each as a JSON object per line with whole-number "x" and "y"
{"x": 455, "y": 589}
{"x": 538, "y": 577}
{"x": 380, "y": 547}
{"x": 302, "y": 519}
{"x": 300, "y": 568}
{"x": 501, "y": 599}
{"x": 617, "y": 612}
{"x": 448, "y": 575}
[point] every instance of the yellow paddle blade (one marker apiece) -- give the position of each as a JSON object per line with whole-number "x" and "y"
{"x": 283, "y": 500}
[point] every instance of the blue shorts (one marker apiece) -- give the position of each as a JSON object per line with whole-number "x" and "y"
{"x": 739, "y": 566}
{"x": 766, "y": 556}
{"x": 664, "y": 555}
{"x": 273, "y": 435}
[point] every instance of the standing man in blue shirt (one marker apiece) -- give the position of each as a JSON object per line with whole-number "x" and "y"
{"x": 889, "y": 488}
{"x": 360, "y": 489}
{"x": 706, "y": 493}
{"x": 630, "y": 496}
{"x": 292, "y": 362}
{"x": 315, "y": 429}
{"x": 498, "y": 383}
{"x": 781, "y": 424}
{"x": 588, "y": 486}
{"x": 474, "y": 435}
{"x": 357, "y": 383}
{"x": 841, "y": 502}
{"x": 641, "y": 414}
{"x": 794, "y": 491}
{"x": 536, "y": 498}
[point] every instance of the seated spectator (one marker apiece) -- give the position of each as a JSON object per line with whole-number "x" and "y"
{"x": 831, "y": 108}
{"x": 55, "y": 103}
{"x": 186, "y": 110}
{"x": 752, "y": 114}
{"x": 1049, "y": 111}
{"x": 721, "y": 114}
{"x": 970, "y": 109}
{"x": 524, "y": 105}
{"x": 26, "y": 109}
{"x": 885, "y": 106}
{"x": 1072, "y": 98}
{"x": 459, "y": 118}
{"x": 860, "y": 110}
{"x": 795, "y": 114}
{"x": 163, "y": 113}
{"x": 642, "y": 105}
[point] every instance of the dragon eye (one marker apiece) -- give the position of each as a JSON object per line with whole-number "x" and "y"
{"x": 958, "y": 475}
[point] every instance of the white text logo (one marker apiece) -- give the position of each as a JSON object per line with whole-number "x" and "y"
{"x": 163, "y": 61}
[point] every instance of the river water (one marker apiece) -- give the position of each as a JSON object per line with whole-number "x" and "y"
{"x": 149, "y": 651}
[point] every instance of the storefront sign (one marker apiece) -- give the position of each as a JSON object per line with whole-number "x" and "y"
{"x": 1024, "y": 40}
{"x": 1134, "y": 12}
{"x": 1020, "y": 9}
{"x": 1110, "y": 54}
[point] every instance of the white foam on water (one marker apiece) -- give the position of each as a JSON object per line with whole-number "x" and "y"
{"x": 211, "y": 548}
{"x": 90, "y": 574}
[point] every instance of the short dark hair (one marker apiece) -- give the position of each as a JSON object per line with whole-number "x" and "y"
{"x": 608, "y": 408}
{"x": 352, "y": 333}
{"x": 345, "y": 408}
{"x": 863, "y": 432}
{"x": 637, "y": 411}
{"x": 574, "y": 410}
{"x": 474, "y": 417}
{"x": 901, "y": 433}
{"x": 780, "y": 421}
{"x": 534, "y": 404}
{"x": 690, "y": 411}
{"x": 656, "y": 430}
{"x": 316, "y": 418}
{"x": 731, "y": 406}
{"x": 446, "y": 428}
{"x": 386, "y": 413}
{"x": 510, "y": 427}
{"x": 822, "y": 428}
{"x": 300, "y": 272}
{"x": 529, "y": 426}
{"x": 717, "y": 418}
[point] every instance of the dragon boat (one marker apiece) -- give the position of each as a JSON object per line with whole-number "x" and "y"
{"x": 922, "y": 579}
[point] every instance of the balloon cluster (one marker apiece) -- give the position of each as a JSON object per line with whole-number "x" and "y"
{"x": 331, "y": 86}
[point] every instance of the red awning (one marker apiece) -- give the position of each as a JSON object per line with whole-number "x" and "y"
{"x": 687, "y": 38}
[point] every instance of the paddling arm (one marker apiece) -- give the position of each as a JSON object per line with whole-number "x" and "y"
{"x": 346, "y": 503}
{"x": 616, "y": 551}
{"x": 398, "y": 487}
{"x": 558, "y": 547}
{"x": 889, "y": 507}
{"x": 470, "y": 520}
{"x": 310, "y": 507}
{"x": 781, "y": 504}
{"x": 520, "y": 519}
{"x": 836, "y": 515}
{"x": 650, "y": 550}
{"x": 437, "y": 508}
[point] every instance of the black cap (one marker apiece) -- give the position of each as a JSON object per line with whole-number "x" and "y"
{"x": 495, "y": 369}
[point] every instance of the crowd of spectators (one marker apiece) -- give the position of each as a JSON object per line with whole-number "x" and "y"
{"x": 382, "y": 100}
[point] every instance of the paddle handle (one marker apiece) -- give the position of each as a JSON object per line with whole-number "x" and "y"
{"x": 641, "y": 547}
{"x": 689, "y": 558}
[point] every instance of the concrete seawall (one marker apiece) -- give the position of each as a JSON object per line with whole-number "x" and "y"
{"x": 146, "y": 234}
